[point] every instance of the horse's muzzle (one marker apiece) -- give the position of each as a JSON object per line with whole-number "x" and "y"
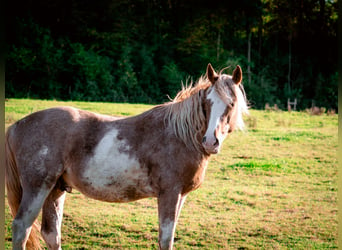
{"x": 211, "y": 145}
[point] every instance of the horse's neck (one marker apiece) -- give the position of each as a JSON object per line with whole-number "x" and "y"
{"x": 186, "y": 121}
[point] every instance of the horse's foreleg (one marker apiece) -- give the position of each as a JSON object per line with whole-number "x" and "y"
{"x": 52, "y": 219}
{"x": 169, "y": 206}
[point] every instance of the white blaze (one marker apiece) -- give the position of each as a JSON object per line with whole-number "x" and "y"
{"x": 217, "y": 109}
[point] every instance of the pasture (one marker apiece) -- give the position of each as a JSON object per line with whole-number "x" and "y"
{"x": 273, "y": 186}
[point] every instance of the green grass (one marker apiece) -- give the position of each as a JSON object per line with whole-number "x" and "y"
{"x": 273, "y": 186}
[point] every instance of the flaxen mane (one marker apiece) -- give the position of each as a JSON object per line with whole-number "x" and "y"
{"x": 185, "y": 115}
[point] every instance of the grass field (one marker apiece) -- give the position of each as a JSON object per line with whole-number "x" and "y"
{"x": 271, "y": 187}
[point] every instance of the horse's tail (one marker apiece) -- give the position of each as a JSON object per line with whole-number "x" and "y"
{"x": 15, "y": 191}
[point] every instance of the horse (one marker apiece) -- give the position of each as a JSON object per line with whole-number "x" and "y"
{"x": 161, "y": 153}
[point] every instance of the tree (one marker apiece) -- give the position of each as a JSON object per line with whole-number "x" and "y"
{"x": 135, "y": 51}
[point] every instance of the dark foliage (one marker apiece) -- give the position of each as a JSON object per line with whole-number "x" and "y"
{"x": 141, "y": 51}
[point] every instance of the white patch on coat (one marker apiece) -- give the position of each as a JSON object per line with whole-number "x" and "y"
{"x": 167, "y": 228}
{"x": 39, "y": 160}
{"x": 54, "y": 237}
{"x": 112, "y": 171}
{"x": 43, "y": 151}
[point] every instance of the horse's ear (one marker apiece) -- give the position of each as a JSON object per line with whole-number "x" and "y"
{"x": 211, "y": 74}
{"x": 237, "y": 75}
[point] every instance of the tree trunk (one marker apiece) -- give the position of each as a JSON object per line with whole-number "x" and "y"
{"x": 260, "y": 27}
{"x": 249, "y": 57}
{"x": 218, "y": 46}
{"x": 289, "y": 72}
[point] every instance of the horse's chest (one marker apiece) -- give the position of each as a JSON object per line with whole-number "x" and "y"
{"x": 112, "y": 174}
{"x": 194, "y": 177}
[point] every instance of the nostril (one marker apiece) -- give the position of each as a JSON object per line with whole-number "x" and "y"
{"x": 204, "y": 139}
{"x": 216, "y": 142}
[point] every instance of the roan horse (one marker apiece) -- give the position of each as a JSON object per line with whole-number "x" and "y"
{"x": 160, "y": 153}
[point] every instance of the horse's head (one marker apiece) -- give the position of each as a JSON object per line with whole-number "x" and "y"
{"x": 223, "y": 105}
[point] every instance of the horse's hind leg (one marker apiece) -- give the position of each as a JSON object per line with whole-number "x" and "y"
{"x": 52, "y": 218}
{"x": 28, "y": 211}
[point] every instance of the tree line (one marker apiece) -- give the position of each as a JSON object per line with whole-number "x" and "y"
{"x": 142, "y": 50}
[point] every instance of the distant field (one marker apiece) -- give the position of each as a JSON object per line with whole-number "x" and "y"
{"x": 271, "y": 187}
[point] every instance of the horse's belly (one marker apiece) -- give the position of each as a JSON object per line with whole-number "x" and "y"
{"x": 119, "y": 188}
{"x": 111, "y": 174}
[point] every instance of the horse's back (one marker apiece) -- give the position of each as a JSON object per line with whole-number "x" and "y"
{"x": 48, "y": 126}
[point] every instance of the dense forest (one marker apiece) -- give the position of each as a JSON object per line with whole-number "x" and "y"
{"x": 141, "y": 51}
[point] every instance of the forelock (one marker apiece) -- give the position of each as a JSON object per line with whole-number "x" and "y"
{"x": 225, "y": 90}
